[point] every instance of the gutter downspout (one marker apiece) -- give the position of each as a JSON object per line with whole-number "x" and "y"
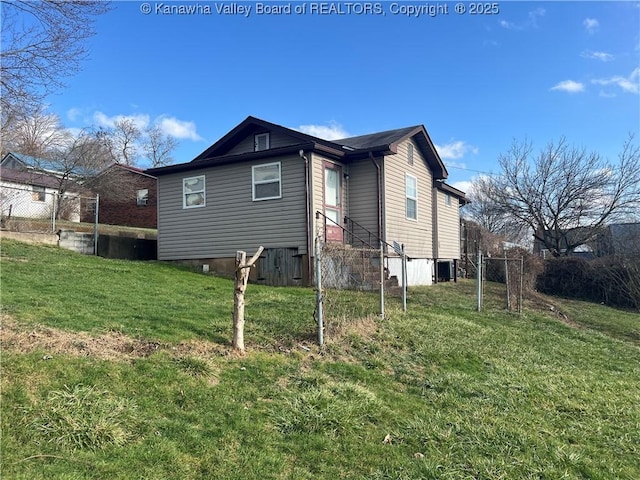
{"x": 379, "y": 178}
{"x": 309, "y": 195}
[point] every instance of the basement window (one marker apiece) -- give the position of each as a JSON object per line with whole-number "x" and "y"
{"x": 193, "y": 193}
{"x": 266, "y": 181}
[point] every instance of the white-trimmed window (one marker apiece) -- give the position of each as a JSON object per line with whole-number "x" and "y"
{"x": 266, "y": 181}
{"x": 447, "y": 199}
{"x": 261, "y": 142}
{"x": 142, "y": 197}
{"x": 411, "y": 194}
{"x": 410, "y": 154}
{"x": 193, "y": 193}
{"x": 38, "y": 193}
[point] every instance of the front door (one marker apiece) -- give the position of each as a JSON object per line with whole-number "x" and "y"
{"x": 333, "y": 202}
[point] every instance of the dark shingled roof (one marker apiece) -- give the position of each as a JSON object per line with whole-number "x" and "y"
{"x": 379, "y": 139}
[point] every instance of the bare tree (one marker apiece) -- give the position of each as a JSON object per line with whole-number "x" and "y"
{"x": 36, "y": 134}
{"x": 487, "y": 214}
{"x": 565, "y": 194}
{"x": 121, "y": 141}
{"x": 42, "y": 43}
{"x": 158, "y": 147}
{"x": 79, "y": 159}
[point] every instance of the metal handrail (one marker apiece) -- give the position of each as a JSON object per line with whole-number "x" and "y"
{"x": 352, "y": 235}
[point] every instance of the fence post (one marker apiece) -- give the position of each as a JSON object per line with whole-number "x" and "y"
{"x": 318, "y": 267}
{"x": 521, "y": 285}
{"x": 479, "y": 279}
{"x": 404, "y": 280}
{"x": 506, "y": 279}
{"x": 95, "y": 227}
{"x": 381, "y": 280}
{"x": 54, "y": 212}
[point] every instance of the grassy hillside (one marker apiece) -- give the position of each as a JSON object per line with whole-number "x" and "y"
{"x": 115, "y": 369}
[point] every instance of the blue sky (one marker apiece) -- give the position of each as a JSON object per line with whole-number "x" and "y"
{"x": 534, "y": 70}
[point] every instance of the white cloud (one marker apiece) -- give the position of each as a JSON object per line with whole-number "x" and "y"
{"x": 333, "y": 131}
{"x": 172, "y": 126}
{"x": 455, "y": 150}
{"x": 630, "y": 84}
{"x": 74, "y": 114}
{"x": 569, "y": 86}
{"x": 509, "y": 25}
{"x": 464, "y": 185}
{"x": 532, "y": 22}
{"x": 140, "y": 120}
{"x": 602, "y": 56}
{"x": 534, "y": 15}
{"x": 591, "y": 25}
{"x": 178, "y": 128}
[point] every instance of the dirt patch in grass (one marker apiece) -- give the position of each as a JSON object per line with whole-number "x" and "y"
{"x": 544, "y": 305}
{"x": 113, "y": 346}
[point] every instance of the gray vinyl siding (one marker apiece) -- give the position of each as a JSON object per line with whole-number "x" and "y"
{"x": 448, "y": 232}
{"x": 276, "y": 140}
{"x": 417, "y": 235}
{"x": 231, "y": 221}
{"x": 363, "y": 194}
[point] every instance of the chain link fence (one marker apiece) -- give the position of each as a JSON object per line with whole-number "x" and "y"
{"x": 348, "y": 283}
{"x": 42, "y": 210}
{"x": 507, "y": 275}
{"x": 352, "y": 285}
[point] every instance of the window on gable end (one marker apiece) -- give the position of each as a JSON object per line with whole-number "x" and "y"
{"x": 410, "y": 154}
{"x": 261, "y": 142}
{"x": 411, "y": 194}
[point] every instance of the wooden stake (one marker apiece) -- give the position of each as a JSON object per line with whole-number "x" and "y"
{"x": 242, "y": 278}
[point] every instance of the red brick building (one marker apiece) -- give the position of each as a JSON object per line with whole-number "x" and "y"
{"x": 128, "y": 197}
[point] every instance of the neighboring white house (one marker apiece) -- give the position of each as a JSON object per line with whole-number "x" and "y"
{"x": 28, "y": 194}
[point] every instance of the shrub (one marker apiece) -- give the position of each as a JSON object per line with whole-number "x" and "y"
{"x": 613, "y": 280}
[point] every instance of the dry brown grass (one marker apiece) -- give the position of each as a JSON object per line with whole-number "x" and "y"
{"x": 112, "y": 346}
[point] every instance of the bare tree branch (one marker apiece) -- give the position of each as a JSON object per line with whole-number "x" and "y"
{"x": 42, "y": 43}
{"x": 565, "y": 194}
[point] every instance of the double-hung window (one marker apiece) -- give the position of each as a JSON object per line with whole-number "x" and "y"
{"x": 193, "y": 192}
{"x": 266, "y": 181}
{"x": 411, "y": 194}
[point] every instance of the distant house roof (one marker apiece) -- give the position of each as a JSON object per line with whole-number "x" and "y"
{"x": 625, "y": 237}
{"x": 347, "y": 149}
{"x": 15, "y": 159}
{"x": 33, "y": 178}
{"x": 126, "y": 168}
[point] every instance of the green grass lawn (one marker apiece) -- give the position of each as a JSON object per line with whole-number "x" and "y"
{"x": 117, "y": 369}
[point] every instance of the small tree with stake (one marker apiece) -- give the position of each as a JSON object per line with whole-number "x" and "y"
{"x": 242, "y": 277}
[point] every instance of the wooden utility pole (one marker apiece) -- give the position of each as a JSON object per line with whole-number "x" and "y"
{"x": 242, "y": 277}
